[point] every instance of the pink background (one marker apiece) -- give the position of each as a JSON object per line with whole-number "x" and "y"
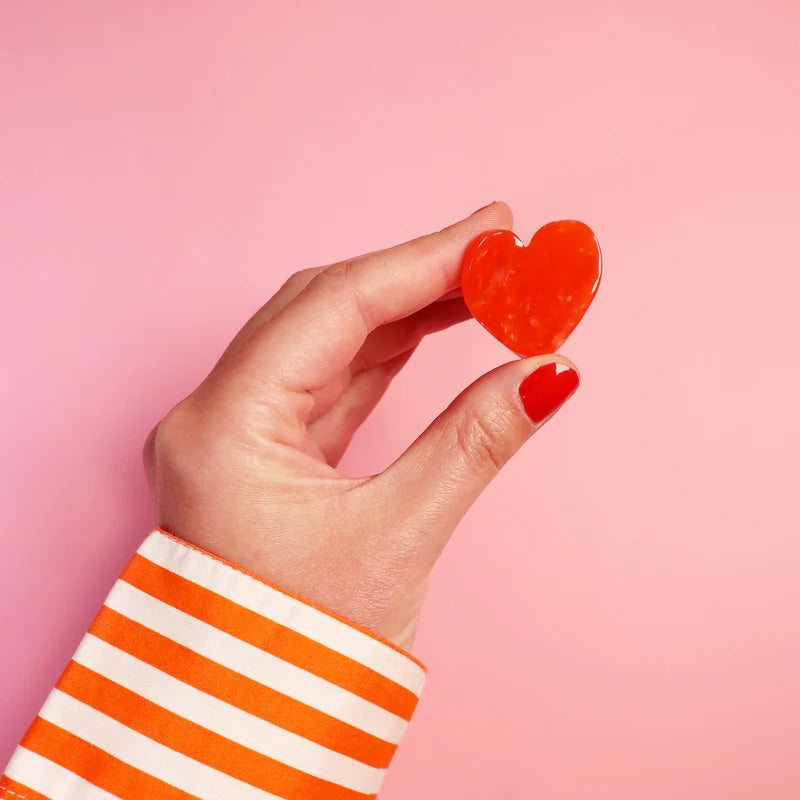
{"x": 619, "y": 616}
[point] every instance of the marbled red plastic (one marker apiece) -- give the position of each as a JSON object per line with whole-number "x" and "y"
{"x": 531, "y": 298}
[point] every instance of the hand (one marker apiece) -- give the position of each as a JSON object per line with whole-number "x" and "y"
{"x": 244, "y": 467}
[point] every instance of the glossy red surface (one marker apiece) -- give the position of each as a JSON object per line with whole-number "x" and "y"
{"x": 546, "y": 389}
{"x": 531, "y": 298}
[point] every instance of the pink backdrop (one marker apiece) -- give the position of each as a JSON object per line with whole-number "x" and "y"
{"x": 619, "y": 616}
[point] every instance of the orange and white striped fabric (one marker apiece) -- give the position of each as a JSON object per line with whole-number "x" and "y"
{"x": 198, "y": 680}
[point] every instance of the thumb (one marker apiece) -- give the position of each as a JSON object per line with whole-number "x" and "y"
{"x": 451, "y": 463}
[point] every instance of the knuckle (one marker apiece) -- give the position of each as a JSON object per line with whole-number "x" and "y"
{"x": 435, "y": 249}
{"x": 176, "y": 445}
{"x": 480, "y": 438}
{"x": 299, "y": 280}
{"x": 169, "y": 433}
{"x": 430, "y": 245}
{"x": 341, "y": 283}
{"x": 337, "y": 274}
{"x": 149, "y": 451}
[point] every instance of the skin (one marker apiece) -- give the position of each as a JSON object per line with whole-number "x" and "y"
{"x": 245, "y": 466}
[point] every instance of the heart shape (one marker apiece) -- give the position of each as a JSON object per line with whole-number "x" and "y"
{"x": 531, "y": 298}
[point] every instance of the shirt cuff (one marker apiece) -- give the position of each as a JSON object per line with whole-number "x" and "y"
{"x": 199, "y": 680}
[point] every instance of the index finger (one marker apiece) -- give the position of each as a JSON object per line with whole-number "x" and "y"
{"x": 316, "y": 336}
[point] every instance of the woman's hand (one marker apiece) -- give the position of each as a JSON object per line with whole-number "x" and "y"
{"x": 244, "y": 467}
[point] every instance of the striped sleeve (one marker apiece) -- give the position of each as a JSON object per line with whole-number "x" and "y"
{"x": 198, "y": 680}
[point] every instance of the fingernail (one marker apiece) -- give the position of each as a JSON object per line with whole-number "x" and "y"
{"x": 482, "y": 207}
{"x": 546, "y": 389}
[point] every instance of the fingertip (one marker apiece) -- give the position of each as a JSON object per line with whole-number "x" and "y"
{"x": 531, "y": 363}
{"x": 497, "y": 214}
{"x": 549, "y": 383}
{"x": 456, "y": 237}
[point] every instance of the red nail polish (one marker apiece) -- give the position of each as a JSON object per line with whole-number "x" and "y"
{"x": 482, "y": 207}
{"x": 546, "y": 389}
